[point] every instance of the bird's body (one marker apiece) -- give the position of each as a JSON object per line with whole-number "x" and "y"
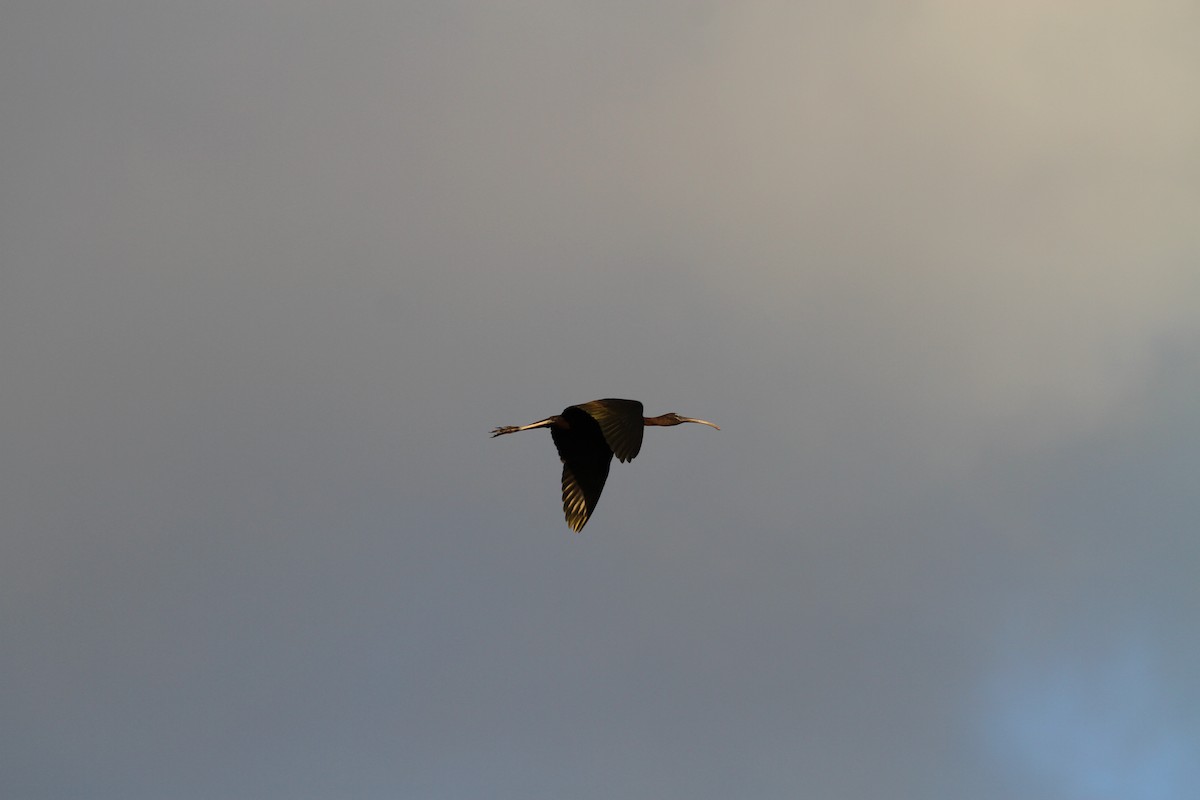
{"x": 587, "y": 436}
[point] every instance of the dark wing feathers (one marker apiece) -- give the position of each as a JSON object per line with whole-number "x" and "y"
{"x": 621, "y": 422}
{"x": 586, "y": 458}
{"x": 591, "y": 434}
{"x": 578, "y": 504}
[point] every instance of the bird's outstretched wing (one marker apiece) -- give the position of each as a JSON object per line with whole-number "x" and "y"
{"x": 579, "y": 501}
{"x": 586, "y": 458}
{"x": 621, "y": 422}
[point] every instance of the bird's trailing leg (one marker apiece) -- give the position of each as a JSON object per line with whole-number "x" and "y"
{"x": 548, "y": 422}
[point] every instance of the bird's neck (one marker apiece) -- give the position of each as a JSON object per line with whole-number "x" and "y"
{"x": 663, "y": 421}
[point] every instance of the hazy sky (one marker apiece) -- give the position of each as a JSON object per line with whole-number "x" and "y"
{"x": 270, "y": 272}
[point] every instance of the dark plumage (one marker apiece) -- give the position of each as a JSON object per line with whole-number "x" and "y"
{"x": 587, "y": 436}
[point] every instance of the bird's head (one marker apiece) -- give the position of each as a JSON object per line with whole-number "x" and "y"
{"x": 667, "y": 420}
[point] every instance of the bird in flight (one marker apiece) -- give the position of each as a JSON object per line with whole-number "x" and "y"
{"x": 587, "y": 436}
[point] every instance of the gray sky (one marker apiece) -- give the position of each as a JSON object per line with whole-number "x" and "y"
{"x": 270, "y": 272}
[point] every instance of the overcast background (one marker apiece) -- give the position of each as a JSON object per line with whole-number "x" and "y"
{"x": 271, "y": 271}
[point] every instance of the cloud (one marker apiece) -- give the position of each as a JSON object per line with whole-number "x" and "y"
{"x": 271, "y": 273}
{"x": 998, "y": 202}
{"x": 1091, "y": 723}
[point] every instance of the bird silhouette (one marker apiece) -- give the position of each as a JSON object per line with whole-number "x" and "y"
{"x": 587, "y": 436}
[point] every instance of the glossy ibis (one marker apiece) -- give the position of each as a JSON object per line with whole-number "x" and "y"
{"x": 587, "y": 436}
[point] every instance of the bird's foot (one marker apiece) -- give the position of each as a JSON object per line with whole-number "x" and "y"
{"x": 504, "y": 429}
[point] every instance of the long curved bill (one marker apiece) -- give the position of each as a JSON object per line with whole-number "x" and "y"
{"x": 700, "y": 421}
